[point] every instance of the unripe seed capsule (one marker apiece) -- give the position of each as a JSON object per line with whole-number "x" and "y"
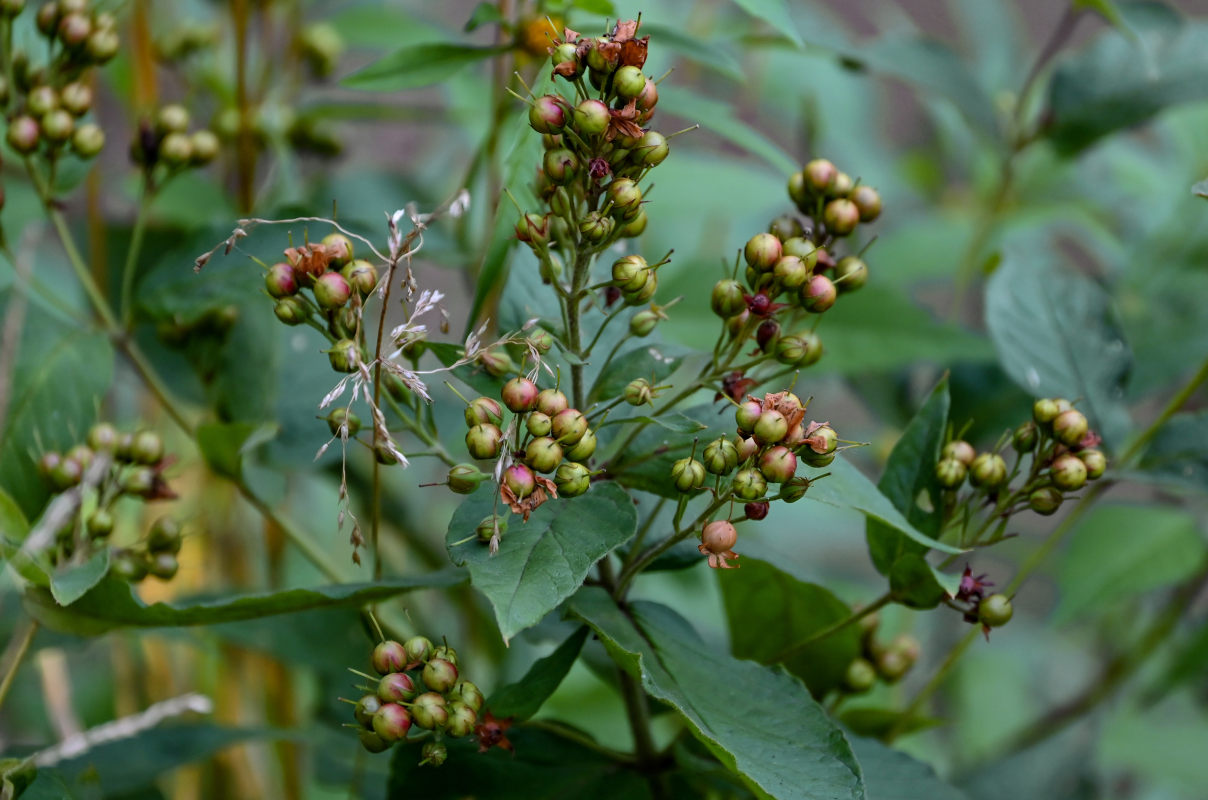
{"x": 988, "y": 471}
{"x": 961, "y": 450}
{"x": 520, "y": 480}
{"x": 569, "y": 426}
{"x": 1045, "y": 501}
{"x": 389, "y": 656}
{"x": 860, "y": 675}
{"x": 482, "y": 441}
{"x": 1025, "y": 437}
{"x": 1095, "y": 461}
{"x": 547, "y": 114}
{"x": 721, "y": 456}
{"x": 688, "y": 474}
{"x": 995, "y": 610}
{"x": 867, "y": 201}
{"x": 1069, "y": 427}
{"x": 440, "y": 675}
{"x": 396, "y": 687}
{"x": 1068, "y": 472}
{"x": 519, "y": 395}
{"x": 280, "y": 281}
{"x": 778, "y": 464}
{"x": 719, "y": 536}
{"x": 391, "y": 722}
{"x": 950, "y": 473}
{"x": 851, "y": 273}
{"x": 771, "y": 427}
{"x": 628, "y": 82}
{"x": 572, "y": 480}
{"x": 591, "y": 118}
{"x": 584, "y": 448}
{"x": 483, "y": 410}
{"x": 551, "y": 401}
{"x": 543, "y": 454}
{"x": 418, "y": 648}
{"x": 749, "y": 484}
{"x": 762, "y": 251}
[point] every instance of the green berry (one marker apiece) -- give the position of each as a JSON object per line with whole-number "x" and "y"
{"x": 995, "y": 611}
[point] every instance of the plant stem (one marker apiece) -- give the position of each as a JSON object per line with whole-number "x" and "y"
{"x": 872, "y": 607}
{"x": 653, "y": 552}
{"x": 145, "y": 197}
{"x": 21, "y": 644}
{"x": 572, "y": 735}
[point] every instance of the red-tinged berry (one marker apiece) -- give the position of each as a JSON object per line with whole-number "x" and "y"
{"x": 988, "y": 471}
{"x": 757, "y": 510}
{"x": 818, "y": 294}
{"x": 860, "y": 676}
{"x": 391, "y": 722}
{"x": 23, "y": 134}
{"x": 778, "y": 464}
{"x": 568, "y": 426}
{"x": 388, "y": 656}
{"x": 995, "y": 611}
{"x": 842, "y": 186}
{"x": 396, "y": 687}
{"x": 961, "y": 450}
{"x": 551, "y": 401}
{"x": 851, "y": 273}
{"x": 519, "y": 479}
{"x": 950, "y": 473}
{"x": 1068, "y": 473}
{"x": 771, "y": 427}
{"x": 820, "y": 176}
{"x": 280, "y": 281}
{"x": 841, "y": 217}
{"x": 719, "y": 536}
{"x": 1045, "y": 501}
{"x": 867, "y": 201}
{"x": 547, "y": 114}
{"x": 419, "y": 650}
{"x": 762, "y": 251}
{"x": 483, "y": 441}
{"x": 483, "y": 411}
{"x": 688, "y": 474}
{"x": 749, "y": 484}
{"x": 519, "y": 395}
{"x": 747, "y": 415}
{"x": 1069, "y": 427}
{"x": 332, "y": 290}
{"x": 1095, "y": 461}
{"x": 572, "y": 479}
{"x": 440, "y": 675}
{"x": 360, "y": 275}
{"x": 721, "y": 456}
{"x": 584, "y": 448}
{"x": 429, "y": 711}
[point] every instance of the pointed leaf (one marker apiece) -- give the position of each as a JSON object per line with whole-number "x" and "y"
{"x": 892, "y": 775}
{"x": 113, "y": 604}
{"x": 524, "y": 698}
{"x": 718, "y": 117}
{"x": 1057, "y": 335}
{"x": 776, "y": 14}
{"x": 418, "y": 65}
{"x": 543, "y": 561}
{"x": 758, "y": 721}
{"x": 69, "y": 584}
{"x": 1179, "y": 453}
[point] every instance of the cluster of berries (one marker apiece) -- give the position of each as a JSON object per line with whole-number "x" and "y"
{"x": 1064, "y": 458}
{"x": 793, "y": 260}
{"x": 772, "y": 436}
{"x": 546, "y": 436}
{"x": 165, "y": 139}
{"x": 44, "y": 104}
{"x": 134, "y": 466}
{"x": 880, "y": 660}
{"x": 417, "y": 685}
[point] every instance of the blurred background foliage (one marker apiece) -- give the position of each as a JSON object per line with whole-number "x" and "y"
{"x": 1044, "y": 149}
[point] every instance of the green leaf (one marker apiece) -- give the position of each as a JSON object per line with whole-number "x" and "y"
{"x": 113, "y": 604}
{"x": 472, "y": 375}
{"x": 760, "y": 722}
{"x": 718, "y": 117}
{"x": 910, "y": 474}
{"x": 69, "y": 584}
{"x": 878, "y": 722}
{"x": 1119, "y": 551}
{"x": 1124, "y": 79}
{"x": 650, "y": 363}
{"x": 646, "y": 463}
{"x": 120, "y": 767}
{"x": 770, "y": 611}
{"x": 543, "y": 561}
{"x": 483, "y": 14}
{"x": 13, "y": 526}
{"x": 936, "y": 68}
{"x": 847, "y": 487}
{"x": 418, "y": 65}
{"x": 1178, "y": 454}
{"x": 224, "y": 444}
{"x": 676, "y": 423}
{"x": 776, "y": 14}
{"x": 1104, "y": 8}
{"x": 55, "y": 387}
{"x": 1185, "y": 666}
{"x": 544, "y": 767}
{"x": 892, "y": 775}
{"x": 1057, "y": 335}
{"x": 524, "y": 698}
{"x": 708, "y": 53}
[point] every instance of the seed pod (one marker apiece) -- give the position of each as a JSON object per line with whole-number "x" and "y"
{"x": 280, "y": 281}
{"x": 483, "y": 411}
{"x": 291, "y": 311}
{"x": 1045, "y": 410}
{"x": 771, "y": 427}
{"x": 867, "y": 201}
{"x": 396, "y": 687}
{"x": 625, "y": 196}
{"x": 591, "y": 118}
{"x": 389, "y": 656}
{"x": 794, "y": 489}
{"x": 434, "y": 753}
{"x": 721, "y": 456}
{"x": 584, "y": 449}
{"x": 341, "y": 417}
{"x": 146, "y": 448}
{"x": 762, "y": 251}
{"x": 1069, "y": 427}
{"x": 1045, "y": 500}
{"x": 491, "y": 527}
{"x": 950, "y": 473}
{"x": 520, "y": 480}
{"x": 162, "y": 565}
{"x": 1025, "y": 437}
{"x": 820, "y": 176}
{"x": 851, "y": 273}
{"x": 360, "y": 275}
{"x": 860, "y": 676}
{"x": 572, "y": 479}
{"x": 630, "y": 273}
{"x": 628, "y": 82}
{"x": 483, "y": 441}
{"x": 652, "y": 149}
{"x": 418, "y": 648}
{"x": 548, "y": 115}
{"x": 569, "y": 426}
{"x": 365, "y": 708}
{"x": 995, "y": 611}
{"x": 440, "y": 675}
{"x": 103, "y": 437}
{"x": 519, "y": 395}
{"x": 468, "y": 693}
{"x": 961, "y": 450}
{"x": 344, "y": 355}
{"x": 391, "y": 722}
{"x": 727, "y": 298}
{"x": 643, "y": 323}
{"x": 988, "y": 471}
{"x": 1095, "y": 461}
{"x": 749, "y": 484}
{"x": 551, "y": 401}
{"x": 164, "y": 536}
{"x": 747, "y": 415}
{"x": 429, "y": 711}
{"x": 1068, "y": 472}
{"x": 639, "y": 392}
{"x": 687, "y": 474}
{"x": 778, "y": 464}
{"x": 543, "y": 454}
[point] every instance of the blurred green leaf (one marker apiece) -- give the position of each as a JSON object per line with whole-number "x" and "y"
{"x": 847, "y": 487}
{"x": 878, "y": 722}
{"x": 758, "y": 721}
{"x": 1185, "y": 666}
{"x": 418, "y": 65}
{"x": 1104, "y": 8}
{"x": 1200, "y": 189}
{"x": 543, "y": 561}
{"x": 69, "y": 583}
{"x": 892, "y": 775}
{"x": 13, "y": 525}
{"x": 113, "y": 604}
{"x": 1123, "y": 79}
{"x": 708, "y": 53}
{"x": 544, "y": 767}
{"x": 483, "y": 14}
{"x": 224, "y": 444}
{"x": 676, "y": 423}
{"x": 1162, "y": 744}
{"x": 1178, "y": 453}
{"x": 776, "y": 14}
{"x": 718, "y": 117}
{"x": 1119, "y": 551}
{"x": 770, "y": 611}
{"x": 1057, "y": 335}
{"x": 909, "y": 475}
{"x": 524, "y": 698}
{"x": 59, "y": 377}
{"x": 934, "y": 67}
